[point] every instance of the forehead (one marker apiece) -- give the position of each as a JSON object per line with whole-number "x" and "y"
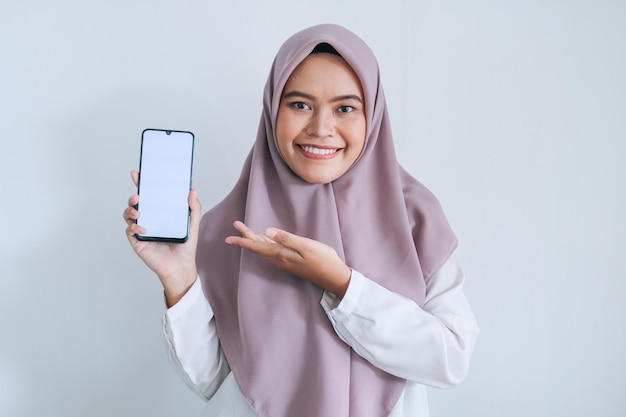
{"x": 324, "y": 69}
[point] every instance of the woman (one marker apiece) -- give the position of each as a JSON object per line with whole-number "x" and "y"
{"x": 351, "y": 301}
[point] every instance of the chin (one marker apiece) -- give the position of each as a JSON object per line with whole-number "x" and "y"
{"x": 315, "y": 175}
{"x": 317, "y": 179}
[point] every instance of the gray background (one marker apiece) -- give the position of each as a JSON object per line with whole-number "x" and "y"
{"x": 511, "y": 112}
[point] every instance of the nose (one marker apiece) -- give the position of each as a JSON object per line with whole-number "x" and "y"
{"x": 321, "y": 124}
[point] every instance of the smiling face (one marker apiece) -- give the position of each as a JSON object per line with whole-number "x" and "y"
{"x": 320, "y": 127}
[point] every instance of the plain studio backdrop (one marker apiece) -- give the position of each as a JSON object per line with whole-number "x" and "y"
{"x": 511, "y": 112}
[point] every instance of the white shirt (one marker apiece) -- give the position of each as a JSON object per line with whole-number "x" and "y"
{"x": 428, "y": 347}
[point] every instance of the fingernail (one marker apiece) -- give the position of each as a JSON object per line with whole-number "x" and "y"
{"x": 270, "y": 233}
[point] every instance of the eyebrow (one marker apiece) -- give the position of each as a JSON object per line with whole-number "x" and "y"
{"x": 310, "y": 97}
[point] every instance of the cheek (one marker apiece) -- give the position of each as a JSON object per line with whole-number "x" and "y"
{"x": 282, "y": 132}
{"x": 358, "y": 137}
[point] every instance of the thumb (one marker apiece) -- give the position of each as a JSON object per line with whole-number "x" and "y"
{"x": 194, "y": 203}
{"x": 195, "y": 208}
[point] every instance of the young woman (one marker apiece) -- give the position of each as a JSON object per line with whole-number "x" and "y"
{"x": 339, "y": 295}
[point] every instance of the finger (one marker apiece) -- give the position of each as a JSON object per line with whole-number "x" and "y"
{"x": 195, "y": 213}
{"x": 248, "y": 233}
{"x": 194, "y": 203}
{"x": 131, "y": 215}
{"x": 133, "y": 200}
{"x": 195, "y": 207}
{"x": 244, "y": 242}
{"x": 132, "y": 230}
{"x": 134, "y": 175}
{"x": 269, "y": 250}
{"x": 285, "y": 238}
{"x": 242, "y": 228}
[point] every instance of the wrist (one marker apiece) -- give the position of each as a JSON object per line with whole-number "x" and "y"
{"x": 176, "y": 288}
{"x": 342, "y": 285}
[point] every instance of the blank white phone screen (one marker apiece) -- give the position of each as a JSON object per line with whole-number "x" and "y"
{"x": 164, "y": 183}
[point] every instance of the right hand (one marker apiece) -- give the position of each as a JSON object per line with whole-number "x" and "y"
{"x": 174, "y": 263}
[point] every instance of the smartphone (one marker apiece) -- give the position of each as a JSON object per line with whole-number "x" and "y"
{"x": 165, "y": 175}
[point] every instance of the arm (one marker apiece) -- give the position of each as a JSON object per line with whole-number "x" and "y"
{"x": 188, "y": 325}
{"x": 194, "y": 348}
{"x": 431, "y": 346}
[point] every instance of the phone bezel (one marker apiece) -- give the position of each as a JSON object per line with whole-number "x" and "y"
{"x": 166, "y": 239}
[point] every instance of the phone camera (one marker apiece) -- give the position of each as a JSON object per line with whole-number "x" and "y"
{"x": 167, "y": 132}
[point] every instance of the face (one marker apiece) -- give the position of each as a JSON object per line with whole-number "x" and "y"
{"x": 320, "y": 127}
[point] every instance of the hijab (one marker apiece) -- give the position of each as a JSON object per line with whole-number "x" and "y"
{"x": 279, "y": 343}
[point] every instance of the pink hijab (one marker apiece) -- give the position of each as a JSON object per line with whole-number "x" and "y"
{"x": 279, "y": 343}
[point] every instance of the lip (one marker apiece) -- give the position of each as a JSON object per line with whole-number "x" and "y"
{"x": 318, "y": 152}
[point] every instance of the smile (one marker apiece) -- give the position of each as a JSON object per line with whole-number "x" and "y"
{"x": 318, "y": 151}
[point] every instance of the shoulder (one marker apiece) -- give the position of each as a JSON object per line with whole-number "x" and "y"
{"x": 420, "y": 201}
{"x": 432, "y": 234}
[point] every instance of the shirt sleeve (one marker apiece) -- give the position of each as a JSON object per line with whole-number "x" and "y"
{"x": 431, "y": 345}
{"x": 194, "y": 348}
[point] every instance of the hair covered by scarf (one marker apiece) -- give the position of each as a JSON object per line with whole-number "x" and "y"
{"x": 280, "y": 345}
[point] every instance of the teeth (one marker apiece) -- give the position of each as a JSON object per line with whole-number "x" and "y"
{"x": 318, "y": 151}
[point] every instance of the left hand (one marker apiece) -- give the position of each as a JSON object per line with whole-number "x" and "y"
{"x": 306, "y": 258}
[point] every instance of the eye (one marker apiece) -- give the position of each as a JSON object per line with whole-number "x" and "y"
{"x": 345, "y": 109}
{"x": 299, "y": 105}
